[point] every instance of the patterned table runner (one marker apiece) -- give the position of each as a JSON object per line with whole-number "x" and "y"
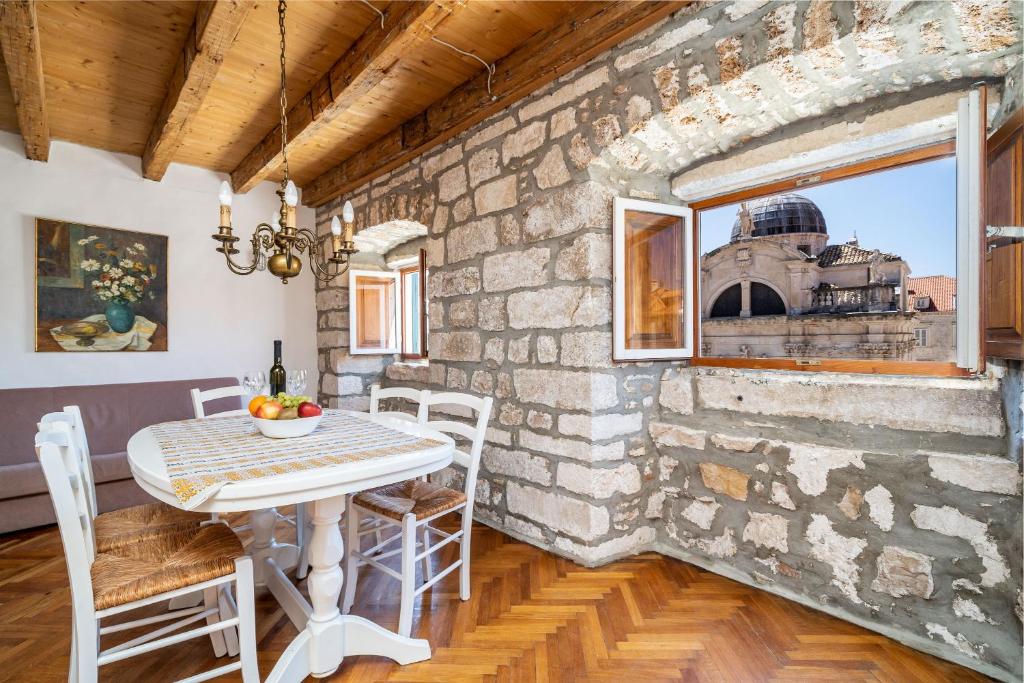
{"x": 203, "y": 455}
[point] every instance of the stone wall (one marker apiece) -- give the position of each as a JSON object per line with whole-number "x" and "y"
{"x": 887, "y": 501}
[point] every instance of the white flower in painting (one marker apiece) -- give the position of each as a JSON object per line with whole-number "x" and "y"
{"x": 87, "y": 240}
{"x": 115, "y": 290}
{"x": 127, "y": 263}
{"x": 89, "y": 265}
{"x": 116, "y": 272}
{"x": 106, "y": 267}
{"x": 140, "y": 246}
{"x": 128, "y": 280}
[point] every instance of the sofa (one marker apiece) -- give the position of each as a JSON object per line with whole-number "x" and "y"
{"x": 112, "y": 414}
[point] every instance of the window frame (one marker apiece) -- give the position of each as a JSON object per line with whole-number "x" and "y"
{"x": 353, "y": 303}
{"x": 619, "y": 351}
{"x": 853, "y": 365}
{"x": 419, "y": 267}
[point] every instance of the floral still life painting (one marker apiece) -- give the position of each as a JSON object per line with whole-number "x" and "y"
{"x": 99, "y": 289}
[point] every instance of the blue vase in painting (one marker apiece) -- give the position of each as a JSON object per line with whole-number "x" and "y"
{"x": 120, "y": 316}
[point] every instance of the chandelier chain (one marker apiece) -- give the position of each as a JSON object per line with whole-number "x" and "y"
{"x": 284, "y": 93}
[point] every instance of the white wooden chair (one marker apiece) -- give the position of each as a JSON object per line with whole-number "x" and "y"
{"x": 300, "y": 519}
{"x": 412, "y": 506}
{"x": 207, "y": 559}
{"x": 377, "y": 394}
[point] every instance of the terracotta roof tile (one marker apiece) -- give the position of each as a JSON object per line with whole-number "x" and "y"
{"x": 848, "y": 254}
{"x": 941, "y": 289}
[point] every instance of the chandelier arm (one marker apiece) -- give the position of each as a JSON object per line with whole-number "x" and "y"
{"x": 309, "y": 242}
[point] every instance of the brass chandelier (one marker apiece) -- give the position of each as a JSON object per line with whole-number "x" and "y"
{"x": 274, "y": 246}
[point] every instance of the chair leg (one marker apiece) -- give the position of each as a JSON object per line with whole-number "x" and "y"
{"x": 351, "y": 559}
{"x": 228, "y": 610}
{"x": 73, "y": 663}
{"x": 428, "y": 570}
{"x": 467, "y": 535}
{"x": 246, "y": 620}
{"x": 408, "y": 574}
{"x": 211, "y": 600}
{"x": 86, "y": 650}
{"x": 302, "y": 536}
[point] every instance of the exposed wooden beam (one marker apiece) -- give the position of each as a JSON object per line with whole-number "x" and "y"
{"x": 357, "y": 72}
{"x": 214, "y": 30}
{"x": 579, "y": 37}
{"x": 19, "y": 39}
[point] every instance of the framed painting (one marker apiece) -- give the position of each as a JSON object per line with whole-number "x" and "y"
{"x": 652, "y": 292}
{"x": 99, "y": 289}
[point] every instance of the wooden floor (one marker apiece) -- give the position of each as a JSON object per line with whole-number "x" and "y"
{"x": 532, "y": 617}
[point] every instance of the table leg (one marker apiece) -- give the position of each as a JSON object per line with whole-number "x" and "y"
{"x": 264, "y": 545}
{"x": 329, "y": 636}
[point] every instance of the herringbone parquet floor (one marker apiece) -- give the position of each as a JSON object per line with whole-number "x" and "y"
{"x": 533, "y": 617}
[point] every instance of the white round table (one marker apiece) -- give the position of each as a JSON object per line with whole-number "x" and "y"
{"x": 325, "y": 635}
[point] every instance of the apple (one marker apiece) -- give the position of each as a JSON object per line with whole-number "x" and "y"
{"x": 288, "y": 414}
{"x": 307, "y": 409}
{"x": 269, "y": 410}
{"x": 256, "y": 402}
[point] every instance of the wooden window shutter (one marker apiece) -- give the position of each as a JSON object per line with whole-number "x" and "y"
{"x": 1004, "y": 255}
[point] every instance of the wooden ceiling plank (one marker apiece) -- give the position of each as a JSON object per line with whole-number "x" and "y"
{"x": 354, "y": 75}
{"x": 216, "y": 25}
{"x": 577, "y": 38}
{"x": 19, "y": 40}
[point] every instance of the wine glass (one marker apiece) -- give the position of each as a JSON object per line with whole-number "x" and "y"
{"x": 254, "y": 381}
{"x": 296, "y": 382}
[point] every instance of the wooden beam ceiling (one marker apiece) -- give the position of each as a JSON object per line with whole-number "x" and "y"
{"x": 580, "y": 37}
{"x": 214, "y": 30}
{"x": 354, "y": 75}
{"x": 19, "y": 39}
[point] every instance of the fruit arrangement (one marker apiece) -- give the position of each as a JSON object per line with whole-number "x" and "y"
{"x": 283, "y": 407}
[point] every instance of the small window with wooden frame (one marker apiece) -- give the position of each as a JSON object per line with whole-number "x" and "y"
{"x": 885, "y": 236}
{"x": 653, "y": 265}
{"x": 414, "y": 308}
{"x": 388, "y": 310}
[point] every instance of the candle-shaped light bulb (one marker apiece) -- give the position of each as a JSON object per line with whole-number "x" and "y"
{"x": 275, "y": 221}
{"x": 335, "y": 226}
{"x": 348, "y": 213}
{"x": 225, "y": 195}
{"x": 291, "y": 194}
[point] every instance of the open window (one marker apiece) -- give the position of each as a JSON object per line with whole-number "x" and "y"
{"x": 387, "y": 310}
{"x": 653, "y": 296}
{"x": 873, "y": 266}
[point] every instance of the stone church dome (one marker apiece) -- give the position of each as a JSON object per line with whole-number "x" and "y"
{"x": 781, "y": 214}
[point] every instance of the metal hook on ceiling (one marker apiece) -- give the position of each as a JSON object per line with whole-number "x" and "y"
{"x": 367, "y": 3}
{"x": 491, "y": 68}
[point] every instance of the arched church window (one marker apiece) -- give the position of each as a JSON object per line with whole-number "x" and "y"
{"x": 728, "y": 303}
{"x": 765, "y": 301}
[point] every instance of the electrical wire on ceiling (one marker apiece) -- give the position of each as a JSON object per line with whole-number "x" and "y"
{"x": 366, "y": 2}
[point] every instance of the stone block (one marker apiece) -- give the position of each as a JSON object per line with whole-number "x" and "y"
{"x": 491, "y": 314}
{"x": 409, "y": 372}
{"x": 676, "y": 436}
{"x": 458, "y": 346}
{"x": 490, "y": 132}
{"x": 740, "y": 444}
{"x": 559, "y": 307}
{"x": 838, "y": 552}
{"x": 574, "y": 89}
{"x": 482, "y": 382}
{"x": 342, "y": 363}
{"x": 551, "y": 171}
{"x": 676, "y": 392}
{"x": 456, "y": 282}
{"x": 600, "y": 427}
{"x": 597, "y": 482}
{"x": 512, "y": 270}
{"x": 523, "y": 141}
{"x": 435, "y": 252}
{"x": 451, "y": 184}
{"x": 701, "y": 512}
{"x": 330, "y": 299}
{"x": 496, "y": 195}
{"x": 547, "y": 349}
{"x": 589, "y": 256}
{"x": 903, "y": 572}
{"x": 629, "y": 544}
{"x": 982, "y": 473}
{"x": 880, "y": 507}
{"x": 577, "y": 207}
{"x": 562, "y": 122}
{"x": 951, "y": 522}
{"x": 457, "y": 379}
{"x": 565, "y": 389}
{"x": 587, "y": 349}
{"x": 519, "y": 349}
{"x": 725, "y": 480}
{"x": 483, "y": 165}
{"x": 810, "y": 464}
{"x": 462, "y": 313}
{"x": 471, "y": 239}
{"x": 539, "y": 420}
{"x": 494, "y": 351}
{"x": 766, "y": 530}
{"x": 559, "y": 512}
{"x": 571, "y": 448}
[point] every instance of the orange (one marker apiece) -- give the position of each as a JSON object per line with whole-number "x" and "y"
{"x": 256, "y": 402}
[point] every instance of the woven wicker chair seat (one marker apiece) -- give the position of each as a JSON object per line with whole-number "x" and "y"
{"x": 418, "y": 497}
{"x": 140, "y": 523}
{"x": 163, "y": 563}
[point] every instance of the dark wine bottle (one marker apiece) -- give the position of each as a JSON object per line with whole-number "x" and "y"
{"x": 277, "y": 376}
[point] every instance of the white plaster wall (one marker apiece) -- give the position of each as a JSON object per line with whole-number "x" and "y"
{"x": 218, "y": 323}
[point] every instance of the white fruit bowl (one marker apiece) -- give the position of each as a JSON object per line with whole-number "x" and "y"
{"x": 287, "y": 429}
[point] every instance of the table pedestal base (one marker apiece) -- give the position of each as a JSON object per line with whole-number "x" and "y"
{"x": 326, "y": 636}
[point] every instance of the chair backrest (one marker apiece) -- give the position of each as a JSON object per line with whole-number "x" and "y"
{"x": 377, "y": 394}
{"x": 201, "y": 397}
{"x": 55, "y": 449}
{"x": 72, "y": 418}
{"x": 475, "y": 433}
